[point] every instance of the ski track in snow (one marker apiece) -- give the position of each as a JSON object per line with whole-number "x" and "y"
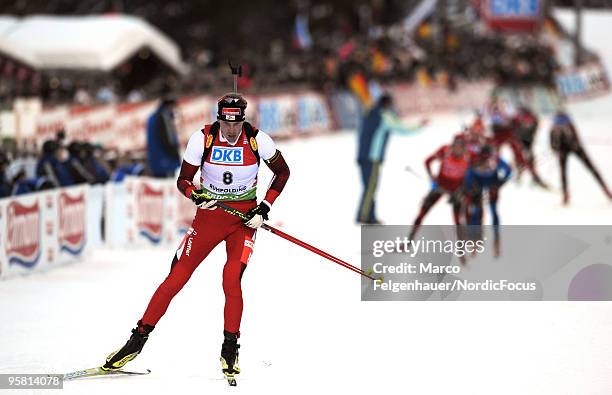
{"x": 304, "y": 327}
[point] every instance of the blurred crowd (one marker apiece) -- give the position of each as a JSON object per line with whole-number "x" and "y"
{"x": 314, "y": 44}
{"x": 59, "y": 163}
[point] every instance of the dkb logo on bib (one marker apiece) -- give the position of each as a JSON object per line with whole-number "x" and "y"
{"x": 226, "y": 155}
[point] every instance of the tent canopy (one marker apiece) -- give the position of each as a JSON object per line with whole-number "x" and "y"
{"x": 83, "y": 43}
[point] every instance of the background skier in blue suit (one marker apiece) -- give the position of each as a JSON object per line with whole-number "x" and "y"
{"x": 487, "y": 173}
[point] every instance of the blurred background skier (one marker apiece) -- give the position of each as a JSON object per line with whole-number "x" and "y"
{"x": 564, "y": 141}
{"x": 487, "y": 173}
{"x": 525, "y": 126}
{"x": 502, "y": 126}
{"x": 454, "y": 162}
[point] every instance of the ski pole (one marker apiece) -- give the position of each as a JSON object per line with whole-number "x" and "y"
{"x": 273, "y": 230}
{"x": 316, "y": 250}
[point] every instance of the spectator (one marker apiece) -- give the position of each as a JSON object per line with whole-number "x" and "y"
{"x": 60, "y": 137}
{"x": 76, "y": 166}
{"x": 162, "y": 141}
{"x": 95, "y": 164}
{"x": 6, "y": 186}
{"x": 374, "y": 131}
{"x": 29, "y": 185}
{"x": 52, "y": 165}
{"x": 23, "y": 162}
{"x": 127, "y": 166}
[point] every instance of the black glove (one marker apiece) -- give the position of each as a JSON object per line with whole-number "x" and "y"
{"x": 257, "y": 215}
{"x": 202, "y": 199}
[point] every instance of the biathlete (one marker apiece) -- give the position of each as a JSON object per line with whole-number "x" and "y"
{"x": 454, "y": 162}
{"x": 488, "y": 172}
{"x": 228, "y": 154}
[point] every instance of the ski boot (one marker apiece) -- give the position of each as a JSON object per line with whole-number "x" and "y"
{"x": 229, "y": 357}
{"x": 496, "y": 248}
{"x": 540, "y": 183}
{"x": 565, "y": 198}
{"x": 131, "y": 349}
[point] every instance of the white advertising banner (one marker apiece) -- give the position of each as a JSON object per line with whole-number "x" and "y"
{"x": 192, "y": 114}
{"x": 144, "y": 211}
{"x": 588, "y": 80}
{"x": 94, "y": 124}
{"x": 130, "y": 125}
{"x": 50, "y": 121}
{"x": 42, "y": 230}
{"x": 277, "y": 115}
{"x": 124, "y": 126}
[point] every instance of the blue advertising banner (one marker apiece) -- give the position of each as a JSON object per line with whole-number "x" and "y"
{"x": 518, "y": 9}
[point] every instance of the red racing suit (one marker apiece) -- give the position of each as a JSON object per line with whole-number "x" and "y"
{"x": 452, "y": 169}
{"x": 229, "y": 172}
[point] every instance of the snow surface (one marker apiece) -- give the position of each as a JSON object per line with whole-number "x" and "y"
{"x": 304, "y": 327}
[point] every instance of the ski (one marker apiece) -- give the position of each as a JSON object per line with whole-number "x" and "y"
{"x": 231, "y": 379}
{"x": 93, "y": 372}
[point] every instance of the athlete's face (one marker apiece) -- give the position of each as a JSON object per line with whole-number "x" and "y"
{"x": 231, "y": 130}
{"x": 457, "y": 149}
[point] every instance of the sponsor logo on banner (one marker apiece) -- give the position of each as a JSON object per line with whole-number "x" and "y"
{"x": 193, "y": 113}
{"x": 130, "y": 125}
{"x": 92, "y": 123}
{"x": 585, "y": 81}
{"x": 277, "y": 115}
{"x": 512, "y": 16}
{"x": 23, "y": 234}
{"x": 514, "y": 8}
{"x": 71, "y": 211}
{"x": 49, "y": 121}
{"x": 150, "y": 208}
{"x": 413, "y": 99}
{"x": 312, "y": 113}
{"x": 226, "y": 155}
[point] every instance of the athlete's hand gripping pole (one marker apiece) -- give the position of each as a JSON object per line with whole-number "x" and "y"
{"x": 200, "y": 198}
{"x": 302, "y": 244}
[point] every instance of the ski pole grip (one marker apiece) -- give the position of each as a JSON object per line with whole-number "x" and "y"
{"x": 236, "y": 70}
